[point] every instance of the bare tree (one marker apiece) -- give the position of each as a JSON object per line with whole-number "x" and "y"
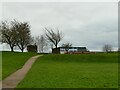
{"x": 66, "y": 46}
{"x": 0, "y": 34}
{"x": 8, "y": 34}
{"x": 54, "y": 37}
{"x": 41, "y": 43}
{"x": 23, "y": 35}
{"x": 107, "y": 48}
{"x": 119, "y": 49}
{"x": 51, "y": 45}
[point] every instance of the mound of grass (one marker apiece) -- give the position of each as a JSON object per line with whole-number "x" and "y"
{"x": 12, "y": 61}
{"x": 83, "y": 58}
{"x": 73, "y": 71}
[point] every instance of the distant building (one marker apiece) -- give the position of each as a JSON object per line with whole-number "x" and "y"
{"x": 71, "y": 50}
{"x": 32, "y": 48}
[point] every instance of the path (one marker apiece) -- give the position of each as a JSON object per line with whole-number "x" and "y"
{"x": 15, "y": 78}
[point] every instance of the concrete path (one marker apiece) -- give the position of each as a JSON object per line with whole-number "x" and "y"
{"x": 15, "y": 78}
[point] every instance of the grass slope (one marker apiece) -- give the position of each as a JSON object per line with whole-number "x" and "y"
{"x": 73, "y": 71}
{"x": 12, "y": 61}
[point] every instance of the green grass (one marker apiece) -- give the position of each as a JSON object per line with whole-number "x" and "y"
{"x": 73, "y": 71}
{"x": 12, "y": 61}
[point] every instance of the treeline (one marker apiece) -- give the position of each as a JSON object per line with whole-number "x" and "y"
{"x": 16, "y": 33}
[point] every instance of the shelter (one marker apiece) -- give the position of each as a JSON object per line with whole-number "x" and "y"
{"x": 32, "y": 48}
{"x": 71, "y": 50}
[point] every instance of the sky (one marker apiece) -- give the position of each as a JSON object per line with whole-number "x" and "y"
{"x": 89, "y": 24}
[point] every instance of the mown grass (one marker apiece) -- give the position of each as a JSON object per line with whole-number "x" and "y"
{"x": 73, "y": 71}
{"x": 12, "y": 61}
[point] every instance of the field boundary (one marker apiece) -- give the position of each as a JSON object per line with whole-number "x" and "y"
{"x": 15, "y": 78}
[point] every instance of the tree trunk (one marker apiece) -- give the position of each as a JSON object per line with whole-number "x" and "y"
{"x": 56, "y": 46}
{"x": 12, "y": 48}
{"x": 22, "y": 49}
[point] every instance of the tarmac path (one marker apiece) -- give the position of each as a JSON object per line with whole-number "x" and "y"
{"x": 15, "y": 78}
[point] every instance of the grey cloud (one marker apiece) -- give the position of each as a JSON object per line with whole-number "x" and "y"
{"x": 84, "y": 24}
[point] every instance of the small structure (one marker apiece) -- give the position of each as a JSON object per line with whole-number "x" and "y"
{"x": 71, "y": 50}
{"x": 56, "y": 51}
{"x": 32, "y": 48}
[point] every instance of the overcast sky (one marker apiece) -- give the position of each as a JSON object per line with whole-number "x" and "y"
{"x": 87, "y": 24}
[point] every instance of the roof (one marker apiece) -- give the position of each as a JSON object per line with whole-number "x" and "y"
{"x": 74, "y": 47}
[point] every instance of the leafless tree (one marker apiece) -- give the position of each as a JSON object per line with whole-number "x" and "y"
{"x": 0, "y": 34}
{"x": 54, "y": 37}
{"x": 41, "y": 43}
{"x": 107, "y": 48}
{"x": 119, "y": 49}
{"x": 66, "y": 46}
{"x": 23, "y": 35}
{"x": 8, "y": 34}
{"x": 51, "y": 45}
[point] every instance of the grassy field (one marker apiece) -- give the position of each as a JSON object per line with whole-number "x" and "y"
{"x": 12, "y": 61}
{"x": 73, "y": 71}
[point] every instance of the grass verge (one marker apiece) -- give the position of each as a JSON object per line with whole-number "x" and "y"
{"x": 12, "y": 61}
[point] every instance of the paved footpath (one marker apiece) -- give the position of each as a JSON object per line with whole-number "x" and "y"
{"x": 15, "y": 78}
